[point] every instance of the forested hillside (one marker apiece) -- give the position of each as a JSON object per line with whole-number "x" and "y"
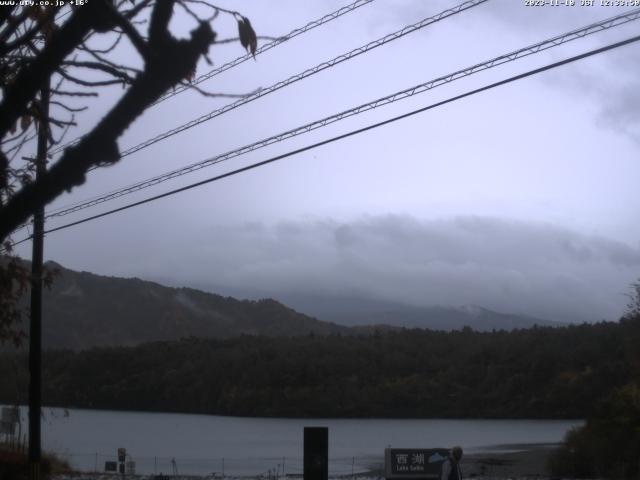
{"x": 608, "y": 444}
{"x": 536, "y": 373}
{"x": 83, "y": 310}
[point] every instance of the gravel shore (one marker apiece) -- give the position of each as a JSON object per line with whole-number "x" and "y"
{"x": 520, "y": 461}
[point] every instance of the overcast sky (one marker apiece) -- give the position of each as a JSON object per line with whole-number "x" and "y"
{"x": 522, "y": 199}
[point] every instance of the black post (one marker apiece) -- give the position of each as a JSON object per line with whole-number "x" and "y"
{"x": 316, "y": 453}
{"x": 35, "y": 329}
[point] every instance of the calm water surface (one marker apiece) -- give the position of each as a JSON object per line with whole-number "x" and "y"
{"x": 204, "y": 444}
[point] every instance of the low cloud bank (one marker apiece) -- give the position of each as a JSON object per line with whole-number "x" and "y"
{"x": 530, "y": 268}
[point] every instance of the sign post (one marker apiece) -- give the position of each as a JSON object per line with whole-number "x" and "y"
{"x": 316, "y": 453}
{"x": 122, "y": 457}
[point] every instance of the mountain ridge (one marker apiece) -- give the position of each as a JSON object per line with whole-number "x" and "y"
{"x": 82, "y": 310}
{"x": 359, "y": 311}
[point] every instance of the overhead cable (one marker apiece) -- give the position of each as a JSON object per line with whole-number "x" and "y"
{"x": 243, "y": 58}
{"x": 409, "y": 92}
{"x": 305, "y": 74}
{"x": 348, "y": 134}
{"x": 267, "y": 46}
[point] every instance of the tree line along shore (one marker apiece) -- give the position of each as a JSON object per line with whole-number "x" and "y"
{"x": 534, "y": 373}
{"x": 588, "y": 371}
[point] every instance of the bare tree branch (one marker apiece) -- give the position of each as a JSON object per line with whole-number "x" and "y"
{"x": 99, "y": 147}
{"x": 134, "y": 37}
{"x": 109, "y": 49}
{"x": 29, "y": 79}
{"x": 68, "y": 108}
{"x": 66, "y": 57}
{"x": 111, "y": 70}
{"x": 29, "y": 35}
{"x": 217, "y": 94}
{"x": 87, "y": 83}
{"x": 13, "y": 23}
{"x": 237, "y": 39}
{"x": 68, "y": 93}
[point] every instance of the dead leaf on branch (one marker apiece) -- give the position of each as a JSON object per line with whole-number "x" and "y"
{"x": 191, "y": 75}
{"x": 26, "y": 179}
{"x": 25, "y": 122}
{"x": 248, "y": 38}
{"x": 35, "y": 109}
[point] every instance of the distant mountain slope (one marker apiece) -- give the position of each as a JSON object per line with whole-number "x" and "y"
{"x": 354, "y": 311}
{"x": 83, "y": 310}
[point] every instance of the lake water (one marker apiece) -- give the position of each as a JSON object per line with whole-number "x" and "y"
{"x": 204, "y": 444}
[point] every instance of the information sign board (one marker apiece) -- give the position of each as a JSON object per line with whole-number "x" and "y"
{"x": 414, "y": 463}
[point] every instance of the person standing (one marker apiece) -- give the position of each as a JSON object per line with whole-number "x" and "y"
{"x": 451, "y": 466}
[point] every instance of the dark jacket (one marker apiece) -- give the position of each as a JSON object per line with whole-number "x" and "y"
{"x": 451, "y": 469}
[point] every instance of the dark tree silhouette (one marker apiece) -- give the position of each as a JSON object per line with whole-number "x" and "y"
{"x": 57, "y": 45}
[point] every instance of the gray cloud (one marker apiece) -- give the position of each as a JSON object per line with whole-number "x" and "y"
{"x": 613, "y": 87}
{"x": 622, "y": 112}
{"x": 610, "y": 79}
{"x": 531, "y": 151}
{"x": 512, "y": 266}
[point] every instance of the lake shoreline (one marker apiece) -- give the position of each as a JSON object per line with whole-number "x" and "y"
{"x": 529, "y": 462}
{"x": 522, "y": 461}
{"x": 249, "y": 447}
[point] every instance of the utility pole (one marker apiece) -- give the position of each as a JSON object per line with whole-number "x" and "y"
{"x": 35, "y": 329}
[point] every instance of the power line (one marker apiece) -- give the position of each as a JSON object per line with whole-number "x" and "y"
{"x": 305, "y": 74}
{"x": 349, "y": 134}
{"x": 421, "y": 88}
{"x": 237, "y": 61}
{"x": 268, "y": 46}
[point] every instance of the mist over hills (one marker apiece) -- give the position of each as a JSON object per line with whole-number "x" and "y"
{"x": 357, "y": 310}
{"x": 84, "y": 310}
{"x": 354, "y": 311}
